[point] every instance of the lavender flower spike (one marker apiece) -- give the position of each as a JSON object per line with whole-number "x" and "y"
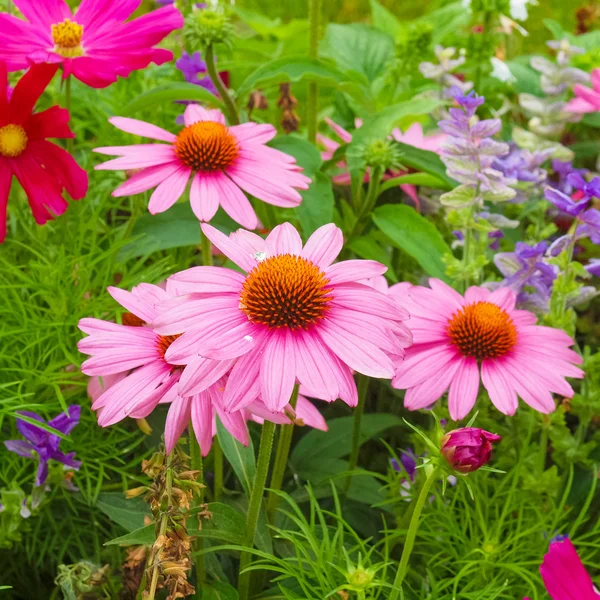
{"x": 469, "y": 153}
{"x": 43, "y": 443}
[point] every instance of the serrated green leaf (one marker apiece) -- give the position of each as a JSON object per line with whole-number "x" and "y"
{"x": 414, "y": 234}
{"x": 172, "y": 92}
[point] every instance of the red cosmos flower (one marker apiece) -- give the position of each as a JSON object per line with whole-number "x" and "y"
{"x": 42, "y": 168}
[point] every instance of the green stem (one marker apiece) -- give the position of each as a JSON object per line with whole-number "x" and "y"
{"x": 206, "y": 250}
{"x": 196, "y": 464}
{"x": 164, "y": 521}
{"x": 218, "y": 466}
{"x": 256, "y": 497}
{"x": 230, "y": 107}
{"x": 281, "y": 458}
{"x": 314, "y": 17}
{"x": 70, "y": 141}
{"x": 363, "y": 385}
{"x": 369, "y": 204}
{"x": 412, "y": 534}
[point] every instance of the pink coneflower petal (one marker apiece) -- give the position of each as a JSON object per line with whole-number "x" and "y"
{"x": 146, "y": 179}
{"x": 231, "y": 249}
{"x": 169, "y": 191}
{"x": 202, "y": 421}
{"x": 284, "y": 239}
{"x": 278, "y": 372}
{"x": 212, "y": 279}
{"x": 502, "y": 395}
{"x": 195, "y": 113}
{"x": 138, "y": 305}
{"x": 324, "y": 245}
{"x": 428, "y": 391}
{"x": 234, "y": 202}
{"x": 234, "y": 422}
{"x": 362, "y": 298}
{"x": 243, "y": 385}
{"x": 204, "y": 196}
{"x": 142, "y": 129}
{"x": 463, "y": 389}
{"x": 178, "y": 417}
{"x": 159, "y": 154}
{"x": 314, "y": 367}
{"x": 254, "y": 133}
{"x": 202, "y": 373}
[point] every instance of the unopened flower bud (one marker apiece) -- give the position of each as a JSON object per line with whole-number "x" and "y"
{"x": 206, "y": 27}
{"x": 381, "y": 154}
{"x": 468, "y": 449}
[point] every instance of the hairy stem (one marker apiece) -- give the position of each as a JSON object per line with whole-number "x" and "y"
{"x": 412, "y": 534}
{"x": 314, "y": 17}
{"x": 230, "y": 107}
{"x": 256, "y": 497}
{"x": 281, "y": 458}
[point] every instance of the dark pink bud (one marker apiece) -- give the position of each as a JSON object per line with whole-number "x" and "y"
{"x": 468, "y": 449}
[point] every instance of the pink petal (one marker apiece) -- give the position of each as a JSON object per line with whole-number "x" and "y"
{"x": 324, "y": 245}
{"x": 213, "y": 280}
{"x": 502, "y": 395}
{"x": 146, "y": 179}
{"x": 169, "y": 191}
{"x": 355, "y": 351}
{"x": 430, "y": 390}
{"x": 178, "y": 417}
{"x": 160, "y": 155}
{"x": 423, "y": 362}
{"x": 307, "y": 412}
{"x": 277, "y": 370}
{"x": 253, "y": 132}
{"x": 446, "y": 293}
{"x": 194, "y": 113}
{"x": 142, "y": 129}
{"x": 232, "y": 250}
{"x": 476, "y": 294}
{"x": 235, "y": 203}
{"x": 314, "y": 366}
{"x": 354, "y": 270}
{"x": 463, "y": 389}
{"x": 243, "y": 385}
{"x": 201, "y": 373}
{"x": 203, "y": 417}
{"x": 505, "y": 298}
{"x": 44, "y": 12}
{"x": 235, "y": 423}
{"x": 363, "y": 298}
{"x": 140, "y": 307}
{"x": 204, "y": 196}
{"x": 284, "y": 239}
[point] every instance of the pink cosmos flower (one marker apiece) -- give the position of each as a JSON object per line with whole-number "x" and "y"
{"x": 587, "y": 99}
{"x": 564, "y": 575}
{"x": 456, "y": 338}
{"x": 221, "y": 161}
{"x": 95, "y": 45}
{"x": 413, "y": 137}
{"x": 293, "y": 316}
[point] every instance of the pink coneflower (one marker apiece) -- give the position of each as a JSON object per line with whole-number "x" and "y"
{"x": 95, "y": 45}
{"x": 222, "y": 161}
{"x": 456, "y": 337}
{"x": 41, "y": 167}
{"x": 294, "y": 316}
{"x": 131, "y": 354}
{"x": 413, "y": 137}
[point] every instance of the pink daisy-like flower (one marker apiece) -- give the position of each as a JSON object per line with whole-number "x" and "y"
{"x": 587, "y": 100}
{"x": 460, "y": 340}
{"x": 221, "y": 161}
{"x": 95, "y": 45}
{"x": 294, "y": 316}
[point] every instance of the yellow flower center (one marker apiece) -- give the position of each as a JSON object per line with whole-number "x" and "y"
{"x": 67, "y": 38}
{"x": 285, "y": 291}
{"x": 206, "y": 146}
{"x": 13, "y": 141}
{"x": 482, "y": 330}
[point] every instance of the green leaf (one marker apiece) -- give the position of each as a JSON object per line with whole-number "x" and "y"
{"x": 291, "y": 69}
{"x": 532, "y": 142}
{"x": 226, "y": 525}
{"x": 144, "y": 536}
{"x": 337, "y": 442}
{"x": 219, "y": 590}
{"x": 172, "y": 92}
{"x": 385, "y": 21}
{"x": 446, "y": 21}
{"x": 424, "y": 161}
{"x": 414, "y": 179}
{"x": 240, "y": 457}
{"x": 40, "y": 424}
{"x": 414, "y": 234}
{"x": 592, "y": 120}
{"x": 459, "y": 197}
{"x": 367, "y": 247}
{"x": 316, "y": 208}
{"x": 173, "y": 228}
{"x": 358, "y": 48}
{"x": 128, "y": 513}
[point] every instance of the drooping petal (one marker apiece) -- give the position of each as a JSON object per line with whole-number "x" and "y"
{"x": 178, "y": 417}
{"x": 463, "y": 389}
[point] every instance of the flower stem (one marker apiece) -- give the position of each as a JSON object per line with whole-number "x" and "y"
{"x": 369, "y": 204}
{"x": 164, "y": 520}
{"x": 230, "y": 107}
{"x": 412, "y": 534}
{"x": 196, "y": 464}
{"x": 281, "y": 458}
{"x": 363, "y": 385}
{"x": 256, "y": 497}
{"x": 218, "y": 466}
{"x": 314, "y": 16}
{"x": 70, "y": 141}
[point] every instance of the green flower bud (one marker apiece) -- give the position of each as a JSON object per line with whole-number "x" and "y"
{"x": 381, "y": 154}
{"x": 208, "y": 26}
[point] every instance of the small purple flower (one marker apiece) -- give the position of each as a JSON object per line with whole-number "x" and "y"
{"x": 495, "y": 237}
{"x": 192, "y": 67}
{"x": 593, "y": 267}
{"x": 565, "y": 203}
{"x": 470, "y": 102}
{"x": 43, "y": 443}
{"x": 563, "y": 170}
